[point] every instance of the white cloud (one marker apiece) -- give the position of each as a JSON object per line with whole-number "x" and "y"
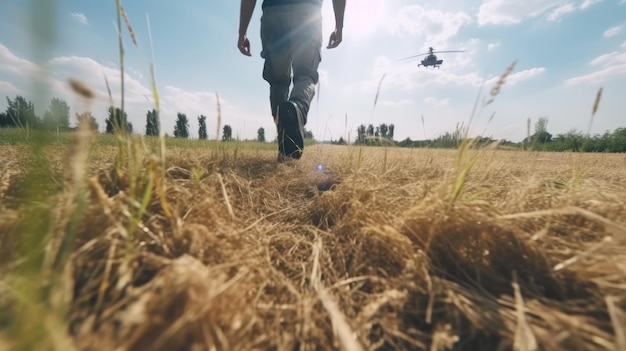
{"x": 192, "y": 103}
{"x": 92, "y": 73}
{"x": 512, "y": 11}
{"x": 433, "y": 101}
{"x": 587, "y": 3}
{"x": 11, "y": 63}
{"x": 598, "y": 76}
{"x": 435, "y": 25}
{"x": 8, "y": 89}
{"x": 624, "y": 43}
{"x": 613, "y": 31}
{"x": 396, "y": 103}
{"x": 517, "y": 77}
{"x": 80, "y": 17}
{"x": 608, "y": 59}
{"x": 137, "y": 98}
{"x": 407, "y": 76}
{"x": 492, "y": 46}
{"x": 560, "y": 11}
{"x": 611, "y": 65}
{"x": 135, "y": 73}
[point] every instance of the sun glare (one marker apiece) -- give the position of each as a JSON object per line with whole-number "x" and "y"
{"x": 362, "y": 18}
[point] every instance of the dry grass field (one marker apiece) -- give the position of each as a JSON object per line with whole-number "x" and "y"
{"x": 351, "y": 248}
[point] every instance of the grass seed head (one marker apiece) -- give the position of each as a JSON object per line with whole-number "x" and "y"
{"x": 131, "y": 32}
{"x": 496, "y": 89}
{"x": 596, "y": 103}
{"x": 82, "y": 89}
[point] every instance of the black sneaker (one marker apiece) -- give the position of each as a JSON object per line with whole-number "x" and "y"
{"x": 290, "y": 131}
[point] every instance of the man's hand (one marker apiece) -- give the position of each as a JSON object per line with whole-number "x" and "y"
{"x": 244, "y": 45}
{"x": 335, "y": 39}
{"x": 245, "y": 14}
{"x": 339, "y": 7}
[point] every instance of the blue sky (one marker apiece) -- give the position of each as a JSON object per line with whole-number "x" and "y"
{"x": 565, "y": 51}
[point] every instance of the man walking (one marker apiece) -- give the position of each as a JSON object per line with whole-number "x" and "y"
{"x": 291, "y": 38}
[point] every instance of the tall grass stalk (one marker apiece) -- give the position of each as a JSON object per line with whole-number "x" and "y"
{"x": 464, "y": 162}
{"x": 594, "y": 110}
{"x": 380, "y": 84}
{"x": 579, "y": 160}
{"x": 38, "y": 321}
{"x": 153, "y": 86}
{"x": 218, "y": 122}
{"x": 385, "y": 159}
{"x": 78, "y": 158}
{"x": 120, "y": 44}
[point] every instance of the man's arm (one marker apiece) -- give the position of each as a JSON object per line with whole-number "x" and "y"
{"x": 245, "y": 14}
{"x": 339, "y": 6}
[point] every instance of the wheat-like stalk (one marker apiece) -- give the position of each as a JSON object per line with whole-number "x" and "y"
{"x": 131, "y": 32}
{"x": 82, "y": 89}
{"x": 380, "y": 83}
{"x": 218, "y": 121}
{"x": 155, "y": 91}
{"x": 495, "y": 90}
{"x": 596, "y": 105}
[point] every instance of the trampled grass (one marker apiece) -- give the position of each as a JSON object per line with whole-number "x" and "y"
{"x": 357, "y": 248}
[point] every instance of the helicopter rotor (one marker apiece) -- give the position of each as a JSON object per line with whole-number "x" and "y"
{"x": 430, "y": 52}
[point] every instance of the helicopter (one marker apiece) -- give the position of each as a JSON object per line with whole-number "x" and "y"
{"x": 431, "y": 59}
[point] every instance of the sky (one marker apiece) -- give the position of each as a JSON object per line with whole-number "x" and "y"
{"x": 564, "y": 52}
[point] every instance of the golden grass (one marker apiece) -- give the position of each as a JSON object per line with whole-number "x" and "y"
{"x": 380, "y": 249}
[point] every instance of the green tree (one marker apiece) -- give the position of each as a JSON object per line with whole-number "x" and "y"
{"x": 88, "y": 117}
{"x": 202, "y": 133}
{"x": 153, "y": 127}
{"x": 541, "y": 135}
{"x": 181, "y": 129}
{"x": 391, "y": 130}
{"x": 383, "y": 130}
{"x": 341, "y": 141}
{"x": 617, "y": 141}
{"x": 117, "y": 121}
{"x": 21, "y": 113}
{"x": 260, "y": 135}
{"x": 450, "y": 140}
{"x": 4, "y": 120}
{"x": 57, "y": 115}
{"x": 541, "y": 126}
{"x": 570, "y": 141}
{"x": 597, "y": 143}
{"x": 406, "y": 142}
{"x": 370, "y": 130}
{"x": 361, "y": 133}
{"x": 227, "y": 133}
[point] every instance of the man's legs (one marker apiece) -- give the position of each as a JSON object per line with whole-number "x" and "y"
{"x": 277, "y": 55}
{"x": 306, "y": 57}
{"x": 291, "y": 36}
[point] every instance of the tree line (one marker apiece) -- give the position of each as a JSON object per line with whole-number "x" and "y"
{"x": 575, "y": 140}
{"x": 20, "y": 113}
{"x": 540, "y": 140}
{"x": 367, "y": 135}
